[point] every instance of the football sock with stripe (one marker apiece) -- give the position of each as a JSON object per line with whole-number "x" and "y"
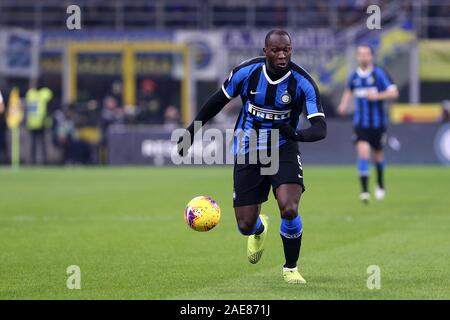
{"x": 259, "y": 229}
{"x": 291, "y": 234}
{"x": 363, "y": 170}
{"x": 380, "y": 171}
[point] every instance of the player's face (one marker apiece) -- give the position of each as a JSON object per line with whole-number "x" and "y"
{"x": 364, "y": 57}
{"x": 278, "y": 53}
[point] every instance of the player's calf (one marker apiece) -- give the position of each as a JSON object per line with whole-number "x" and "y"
{"x": 379, "y": 190}
{"x": 291, "y": 234}
{"x": 291, "y": 231}
{"x": 363, "y": 171}
{"x": 247, "y": 218}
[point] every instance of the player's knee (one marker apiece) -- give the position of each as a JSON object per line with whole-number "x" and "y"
{"x": 289, "y": 211}
{"x": 245, "y": 226}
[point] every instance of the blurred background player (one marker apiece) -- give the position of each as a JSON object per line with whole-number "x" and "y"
{"x": 274, "y": 91}
{"x": 371, "y": 86}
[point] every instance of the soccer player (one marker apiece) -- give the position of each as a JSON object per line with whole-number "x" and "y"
{"x": 371, "y": 86}
{"x": 274, "y": 92}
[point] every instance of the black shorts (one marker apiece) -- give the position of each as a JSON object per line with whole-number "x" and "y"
{"x": 251, "y": 187}
{"x": 376, "y": 137}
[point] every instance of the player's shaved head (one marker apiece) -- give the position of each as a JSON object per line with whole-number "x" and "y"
{"x": 277, "y": 49}
{"x": 278, "y": 32}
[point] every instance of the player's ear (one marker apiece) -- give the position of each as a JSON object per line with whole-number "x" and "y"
{"x": 264, "y": 50}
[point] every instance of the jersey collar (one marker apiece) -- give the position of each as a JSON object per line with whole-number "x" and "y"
{"x": 364, "y": 74}
{"x": 277, "y": 81}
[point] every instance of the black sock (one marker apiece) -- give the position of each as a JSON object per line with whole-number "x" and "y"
{"x": 380, "y": 170}
{"x": 291, "y": 248}
{"x": 259, "y": 230}
{"x": 364, "y": 183}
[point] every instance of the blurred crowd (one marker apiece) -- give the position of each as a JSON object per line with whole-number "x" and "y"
{"x": 79, "y": 131}
{"x": 211, "y": 14}
{"x": 102, "y": 114}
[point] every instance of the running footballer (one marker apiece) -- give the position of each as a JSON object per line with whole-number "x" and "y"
{"x": 274, "y": 92}
{"x": 371, "y": 86}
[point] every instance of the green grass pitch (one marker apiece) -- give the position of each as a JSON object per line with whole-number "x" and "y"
{"x": 124, "y": 228}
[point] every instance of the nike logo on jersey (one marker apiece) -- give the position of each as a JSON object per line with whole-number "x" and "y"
{"x": 253, "y": 92}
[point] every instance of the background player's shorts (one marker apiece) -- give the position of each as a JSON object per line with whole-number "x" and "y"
{"x": 250, "y": 187}
{"x": 376, "y": 137}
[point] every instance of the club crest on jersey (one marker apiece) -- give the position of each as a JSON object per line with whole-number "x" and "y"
{"x": 286, "y": 98}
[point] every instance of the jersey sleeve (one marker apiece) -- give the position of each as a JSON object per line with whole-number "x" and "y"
{"x": 1, "y": 97}
{"x": 384, "y": 80}
{"x": 233, "y": 85}
{"x": 313, "y": 105}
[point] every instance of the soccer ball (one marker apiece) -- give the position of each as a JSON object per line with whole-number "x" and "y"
{"x": 202, "y": 213}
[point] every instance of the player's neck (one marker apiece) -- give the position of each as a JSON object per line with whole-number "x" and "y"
{"x": 273, "y": 75}
{"x": 365, "y": 70}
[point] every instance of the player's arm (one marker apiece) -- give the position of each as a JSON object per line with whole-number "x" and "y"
{"x": 391, "y": 93}
{"x": 346, "y": 96}
{"x": 314, "y": 113}
{"x": 230, "y": 89}
{"x": 2, "y": 106}
{"x": 209, "y": 110}
{"x": 387, "y": 90}
{"x": 317, "y": 131}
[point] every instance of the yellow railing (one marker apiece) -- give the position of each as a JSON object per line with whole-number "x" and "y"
{"x": 128, "y": 51}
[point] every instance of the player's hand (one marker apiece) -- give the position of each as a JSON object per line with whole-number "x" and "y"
{"x": 373, "y": 96}
{"x": 287, "y": 131}
{"x": 341, "y": 110}
{"x": 184, "y": 143}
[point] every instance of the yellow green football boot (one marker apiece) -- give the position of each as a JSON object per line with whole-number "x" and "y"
{"x": 255, "y": 243}
{"x": 292, "y": 276}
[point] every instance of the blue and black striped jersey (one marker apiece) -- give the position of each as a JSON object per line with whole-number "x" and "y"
{"x": 266, "y": 102}
{"x": 369, "y": 114}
